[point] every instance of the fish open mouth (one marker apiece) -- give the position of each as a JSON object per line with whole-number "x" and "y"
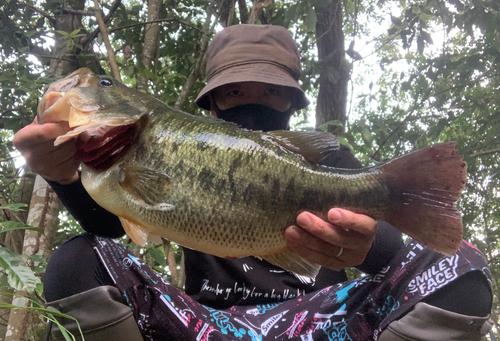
{"x": 101, "y": 140}
{"x": 83, "y": 118}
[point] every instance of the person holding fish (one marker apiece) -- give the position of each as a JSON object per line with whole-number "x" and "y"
{"x": 410, "y": 292}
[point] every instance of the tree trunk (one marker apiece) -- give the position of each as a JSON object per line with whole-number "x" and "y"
{"x": 43, "y": 212}
{"x": 14, "y": 239}
{"x": 243, "y": 11}
{"x": 44, "y": 206}
{"x": 334, "y": 76}
{"x": 151, "y": 34}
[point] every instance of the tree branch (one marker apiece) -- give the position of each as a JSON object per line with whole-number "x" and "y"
{"x": 486, "y": 152}
{"x": 152, "y": 22}
{"x": 89, "y": 12}
{"x": 39, "y": 11}
{"x": 85, "y": 42}
{"x": 105, "y": 37}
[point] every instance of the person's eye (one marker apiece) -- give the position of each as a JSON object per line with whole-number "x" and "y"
{"x": 273, "y": 91}
{"x": 234, "y": 93}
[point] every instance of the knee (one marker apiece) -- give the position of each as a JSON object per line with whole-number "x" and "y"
{"x": 73, "y": 268}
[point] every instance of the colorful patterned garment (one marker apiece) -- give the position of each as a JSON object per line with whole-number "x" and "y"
{"x": 356, "y": 310}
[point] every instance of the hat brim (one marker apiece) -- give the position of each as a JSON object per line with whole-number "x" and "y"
{"x": 252, "y": 72}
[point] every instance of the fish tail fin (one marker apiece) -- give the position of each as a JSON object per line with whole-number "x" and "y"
{"x": 424, "y": 187}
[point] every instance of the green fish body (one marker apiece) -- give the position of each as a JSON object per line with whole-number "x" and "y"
{"x": 211, "y": 186}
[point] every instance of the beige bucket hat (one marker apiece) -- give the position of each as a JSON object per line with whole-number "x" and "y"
{"x": 253, "y": 53}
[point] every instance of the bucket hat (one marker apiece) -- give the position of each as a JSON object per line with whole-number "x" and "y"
{"x": 253, "y": 53}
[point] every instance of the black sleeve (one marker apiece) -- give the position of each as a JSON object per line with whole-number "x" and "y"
{"x": 387, "y": 243}
{"x": 92, "y": 217}
{"x": 388, "y": 239}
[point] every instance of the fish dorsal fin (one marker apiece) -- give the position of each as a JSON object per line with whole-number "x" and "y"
{"x": 314, "y": 146}
{"x": 136, "y": 232}
{"x": 293, "y": 262}
{"x": 149, "y": 187}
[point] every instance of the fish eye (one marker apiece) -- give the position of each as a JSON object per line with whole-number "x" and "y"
{"x": 105, "y": 82}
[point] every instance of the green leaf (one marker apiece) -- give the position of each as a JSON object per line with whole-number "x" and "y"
{"x": 19, "y": 276}
{"x": 13, "y": 207}
{"x": 426, "y": 36}
{"x": 420, "y": 45}
{"x": 322, "y": 3}
{"x": 63, "y": 33}
{"x": 75, "y": 34}
{"x": 290, "y": 15}
{"x": 6, "y": 226}
{"x": 325, "y": 125}
{"x": 365, "y": 133}
{"x": 343, "y": 141}
{"x": 392, "y": 30}
{"x": 157, "y": 255}
{"x": 395, "y": 20}
{"x": 311, "y": 20}
{"x": 50, "y": 315}
{"x": 29, "y": 34}
{"x": 405, "y": 86}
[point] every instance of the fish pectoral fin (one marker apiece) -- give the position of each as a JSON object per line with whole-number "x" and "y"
{"x": 314, "y": 146}
{"x": 293, "y": 262}
{"x": 147, "y": 186}
{"x": 138, "y": 233}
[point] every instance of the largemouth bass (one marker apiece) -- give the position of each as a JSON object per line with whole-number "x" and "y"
{"x": 211, "y": 186}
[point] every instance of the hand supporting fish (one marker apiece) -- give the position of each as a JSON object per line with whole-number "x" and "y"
{"x": 211, "y": 186}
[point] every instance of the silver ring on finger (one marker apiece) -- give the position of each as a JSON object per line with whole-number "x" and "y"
{"x": 340, "y": 252}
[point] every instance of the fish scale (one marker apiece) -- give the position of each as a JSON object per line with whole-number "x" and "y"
{"x": 214, "y": 187}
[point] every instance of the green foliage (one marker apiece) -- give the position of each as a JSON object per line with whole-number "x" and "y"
{"x": 20, "y": 277}
{"x": 6, "y": 226}
{"x": 50, "y": 315}
{"x": 14, "y": 207}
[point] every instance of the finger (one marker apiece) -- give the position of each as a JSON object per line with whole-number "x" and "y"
{"x": 352, "y": 221}
{"x": 295, "y": 235}
{"x": 34, "y": 134}
{"x": 329, "y": 233}
{"x": 325, "y": 256}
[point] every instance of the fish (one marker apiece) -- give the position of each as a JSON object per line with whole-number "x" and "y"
{"x": 215, "y": 187}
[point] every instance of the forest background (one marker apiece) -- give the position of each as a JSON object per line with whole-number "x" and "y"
{"x": 386, "y": 76}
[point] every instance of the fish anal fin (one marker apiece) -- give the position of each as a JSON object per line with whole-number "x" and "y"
{"x": 146, "y": 185}
{"x": 423, "y": 187}
{"x": 314, "y": 146}
{"x": 155, "y": 238}
{"x": 136, "y": 232}
{"x": 293, "y": 262}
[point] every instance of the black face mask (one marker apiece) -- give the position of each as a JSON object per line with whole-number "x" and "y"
{"x": 256, "y": 117}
